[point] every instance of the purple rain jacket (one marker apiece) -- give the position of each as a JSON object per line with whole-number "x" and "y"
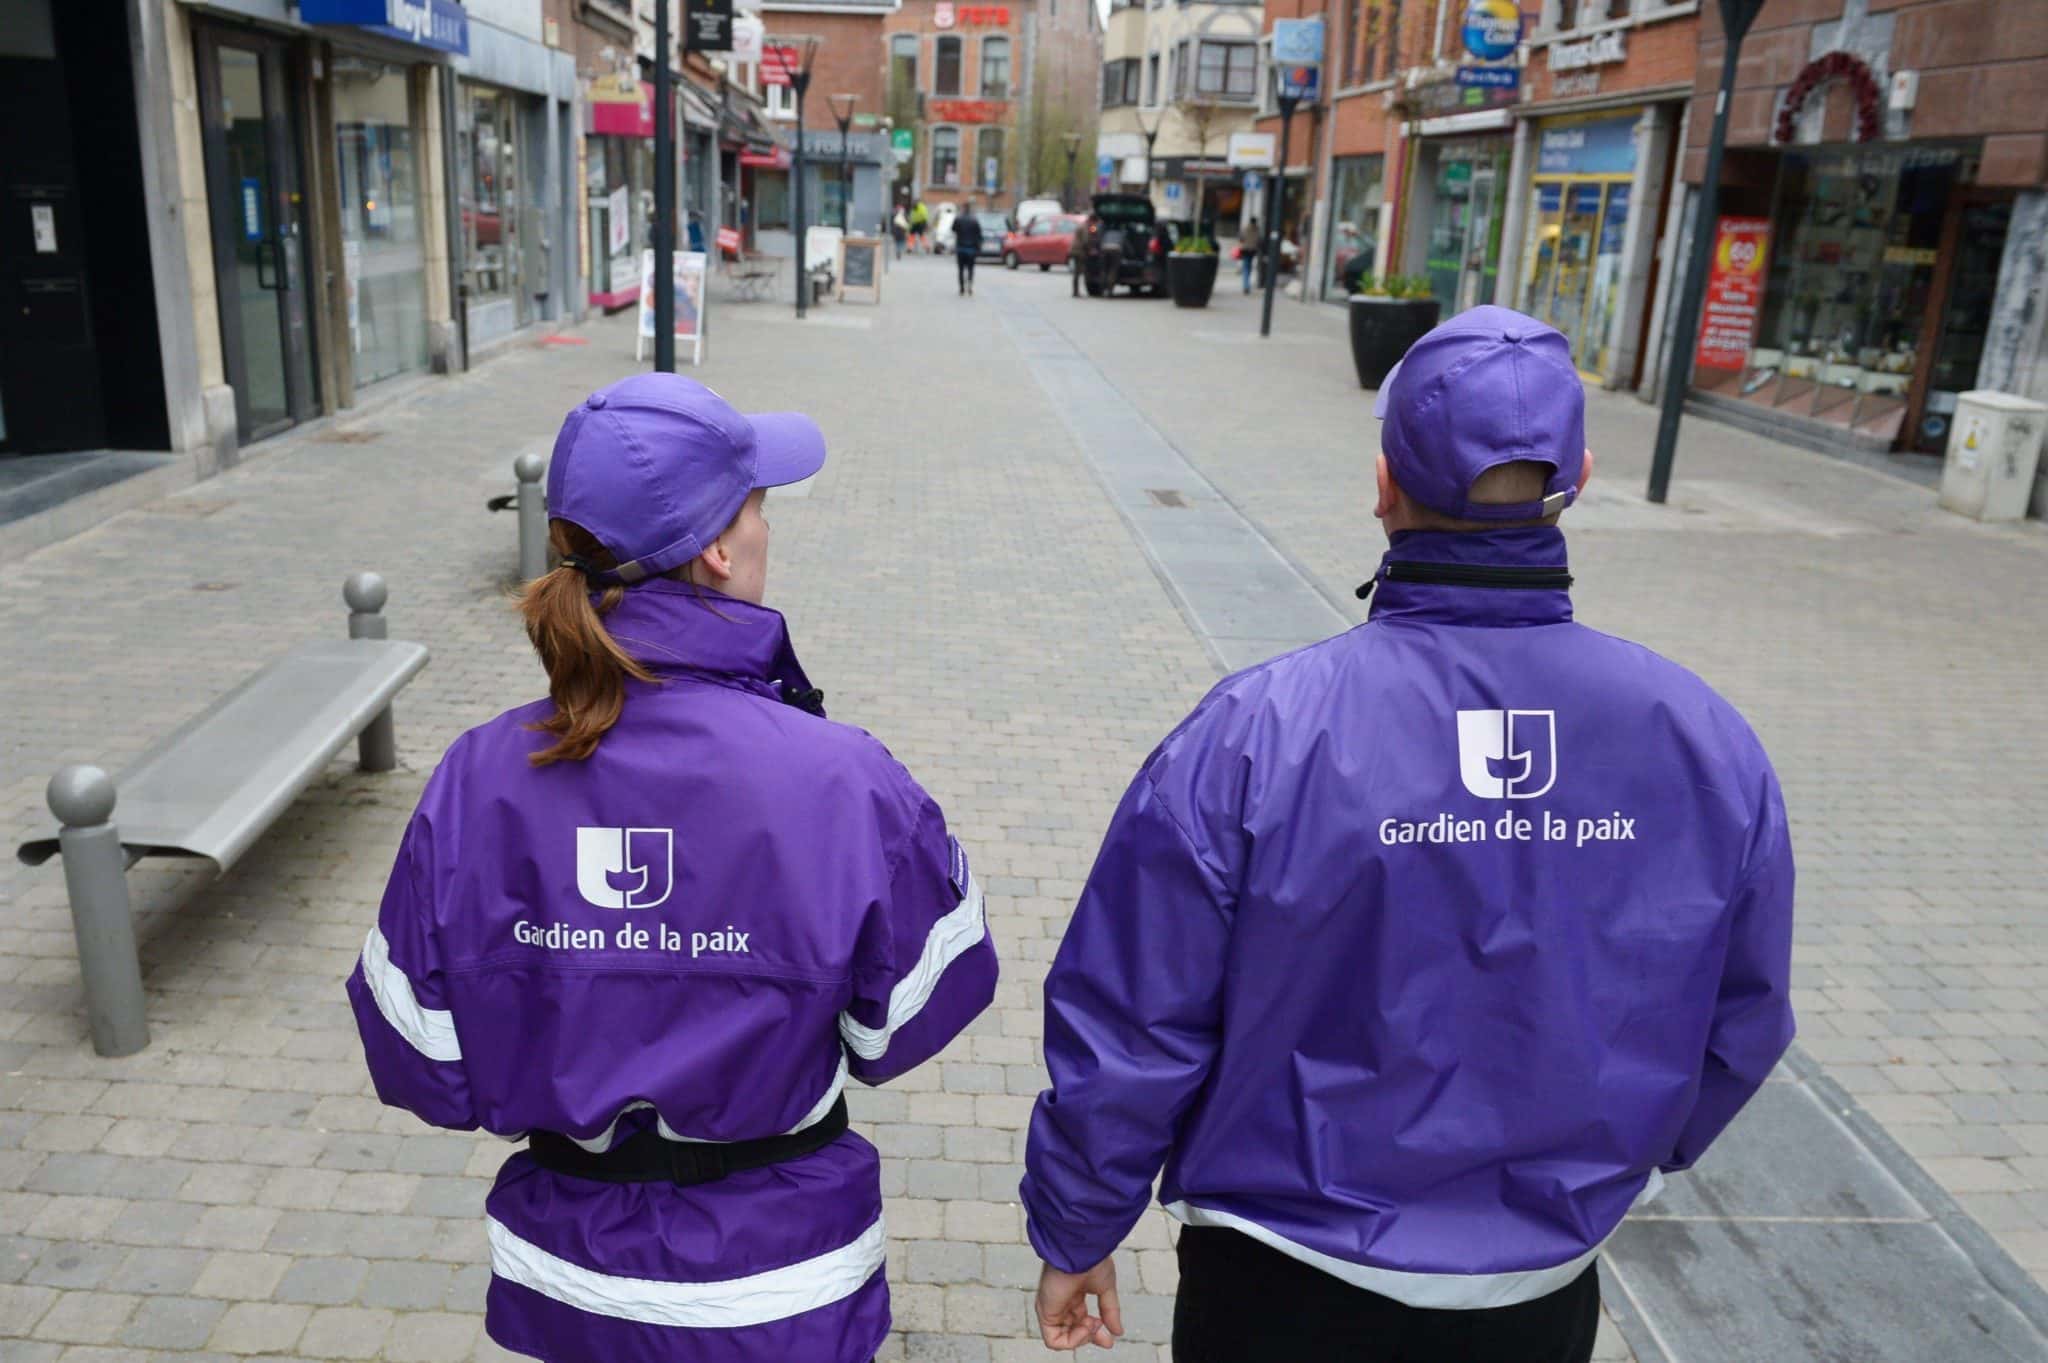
{"x": 706, "y": 925}
{"x": 1422, "y": 953}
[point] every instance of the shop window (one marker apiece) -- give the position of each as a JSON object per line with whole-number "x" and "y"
{"x": 989, "y": 142}
{"x": 771, "y": 200}
{"x": 995, "y": 68}
{"x": 946, "y": 156}
{"x": 383, "y": 258}
{"x": 1359, "y": 184}
{"x": 1226, "y": 71}
{"x": 946, "y": 67}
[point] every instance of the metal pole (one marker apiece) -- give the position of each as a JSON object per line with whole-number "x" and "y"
{"x": 1276, "y": 203}
{"x": 377, "y": 745}
{"x": 802, "y": 81}
{"x": 96, "y": 878}
{"x": 845, "y": 179}
{"x": 528, "y": 469}
{"x": 1736, "y": 16}
{"x": 664, "y": 200}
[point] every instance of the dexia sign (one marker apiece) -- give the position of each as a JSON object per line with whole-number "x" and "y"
{"x": 439, "y": 24}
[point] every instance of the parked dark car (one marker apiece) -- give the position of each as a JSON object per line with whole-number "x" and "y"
{"x": 994, "y": 227}
{"x": 1123, "y": 242}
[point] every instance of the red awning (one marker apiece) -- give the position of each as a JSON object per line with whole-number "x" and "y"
{"x": 766, "y": 160}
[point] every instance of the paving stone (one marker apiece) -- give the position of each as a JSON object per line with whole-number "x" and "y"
{"x": 406, "y": 1286}
{"x": 259, "y": 1328}
{"x": 21, "y": 1306}
{"x": 324, "y": 1282}
{"x": 158, "y": 1271}
{"x": 177, "y": 1323}
{"x": 345, "y": 1332}
{"x": 86, "y": 1317}
{"x": 73, "y": 1264}
{"x": 432, "y": 1337}
{"x": 243, "y": 1276}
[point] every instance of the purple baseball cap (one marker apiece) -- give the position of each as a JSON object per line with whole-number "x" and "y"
{"x": 1487, "y": 387}
{"x": 657, "y": 465}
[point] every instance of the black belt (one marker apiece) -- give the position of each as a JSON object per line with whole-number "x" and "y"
{"x": 648, "y": 1157}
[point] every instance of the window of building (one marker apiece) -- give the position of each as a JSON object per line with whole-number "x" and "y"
{"x": 902, "y": 64}
{"x": 946, "y": 156}
{"x": 1119, "y": 82}
{"x": 1351, "y": 42}
{"x": 990, "y": 167}
{"x": 780, "y": 100}
{"x": 1152, "y": 79}
{"x": 946, "y": 67}
{"x": 995, "y": 68}
{"x": 1568, "y": 15}
{"x": 1227, "y": 71}
{"x": 1177, "y": 71}
{"x": 1390, "y": 45}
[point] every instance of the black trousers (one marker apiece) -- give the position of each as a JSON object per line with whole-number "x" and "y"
{"x": 966, "y": 260}
{"x": 1243, "y": 1302}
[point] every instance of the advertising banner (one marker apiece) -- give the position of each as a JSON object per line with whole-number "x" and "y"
{"x": 690, "y": 301}
{"x": 778, "y": 64}
{"x": 707, "y": 25}
{"x": 1735, "y": 292}
{"x": 1253, "y": 151}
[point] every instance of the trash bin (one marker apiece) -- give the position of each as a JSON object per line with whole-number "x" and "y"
{"x": 1993, "y": 448}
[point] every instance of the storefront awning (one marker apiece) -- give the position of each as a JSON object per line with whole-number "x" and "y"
{"x": 778, "y": 159}
{"x": 439, "y": 24}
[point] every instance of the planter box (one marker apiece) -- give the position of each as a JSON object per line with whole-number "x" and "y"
{"x": 1191, "y": 277}
{"x": 1382, "y": 329}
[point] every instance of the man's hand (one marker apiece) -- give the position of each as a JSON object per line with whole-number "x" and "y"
{"x": 1063, "y": 1319}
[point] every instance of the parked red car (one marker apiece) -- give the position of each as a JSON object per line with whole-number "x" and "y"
{"x": 1045, "y": 241}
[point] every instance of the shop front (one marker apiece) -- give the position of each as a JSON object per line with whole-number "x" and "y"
{"x": 618, "y": 176}
{"x": 1357, "y": 194}
{"x": 1582, "y": 193}
{"x": 1202, "y": 191}
{"x": 1879, "y": 269}
{"x": 323, "y": 193}
{"x": 1463, "y": 181}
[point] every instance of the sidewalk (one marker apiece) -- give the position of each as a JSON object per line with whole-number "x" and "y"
{"x": 961, "y": 581}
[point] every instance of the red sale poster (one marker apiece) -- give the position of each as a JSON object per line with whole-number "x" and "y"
{"x": 1735, "y": 292}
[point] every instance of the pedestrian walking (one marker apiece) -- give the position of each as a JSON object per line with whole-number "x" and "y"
{"x": 650, "y": 925}
{"x": 899, "y": 229}
{"x": 1248, "y": 247}
{"x": 920, "y": 224}
{"x": 1417, "y": 957}
{"x": 966, "y": 246}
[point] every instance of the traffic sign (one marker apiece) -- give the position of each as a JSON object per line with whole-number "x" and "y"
{"x": 1298, "y": 42}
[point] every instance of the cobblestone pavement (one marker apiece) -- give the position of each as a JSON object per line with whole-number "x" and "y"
{"x": 959, "y": 585}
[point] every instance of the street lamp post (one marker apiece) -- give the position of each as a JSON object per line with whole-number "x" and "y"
{"x": 1073, "y": 141}
{"x": 664, "y": 202}
{"x": 1151, "y": 136}
{"x": 1736, "y": 17}
{"x": 844, "y": 118}
{"x": 1276, "y": 204}
{"x": 806, "y": 51}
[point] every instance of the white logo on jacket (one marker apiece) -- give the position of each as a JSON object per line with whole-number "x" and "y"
{"x": 605, "y": 855}
{"x": 1507, "y": 754}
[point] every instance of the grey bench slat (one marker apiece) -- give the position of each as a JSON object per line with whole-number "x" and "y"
{"x": 212, "y": 786}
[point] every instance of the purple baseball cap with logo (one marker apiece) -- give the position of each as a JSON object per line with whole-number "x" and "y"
{"x": 1487, "y": 387}
{"x": 657, "y": 465}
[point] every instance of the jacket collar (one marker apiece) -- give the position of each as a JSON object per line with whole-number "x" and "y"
{"x": 1529, "y": 549}
{"x": 676, "y": 630}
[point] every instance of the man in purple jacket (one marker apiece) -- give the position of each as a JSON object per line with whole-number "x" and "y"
{"x": 1417, "y": 957}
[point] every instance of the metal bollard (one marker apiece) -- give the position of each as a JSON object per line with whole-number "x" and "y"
{"x": 96, "y": 877}
{"x": 377, "y": 745}
{"x": 529, "y": 469}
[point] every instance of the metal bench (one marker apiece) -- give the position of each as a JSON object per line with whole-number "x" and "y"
{"x": 213, "y": 786}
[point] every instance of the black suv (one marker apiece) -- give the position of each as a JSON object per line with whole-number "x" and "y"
{"x": 1123, "y": 242}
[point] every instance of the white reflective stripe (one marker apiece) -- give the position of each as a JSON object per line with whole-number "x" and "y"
{"x": 776, "y": 1294}
{"x": 948, "y": 940}
{"x": 602, "y": 1142}
{"x": 430, "y": 1031}
{"x": 1444, "y": 1291}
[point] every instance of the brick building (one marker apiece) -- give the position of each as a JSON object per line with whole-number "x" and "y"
{"x": 1891, "y": 157}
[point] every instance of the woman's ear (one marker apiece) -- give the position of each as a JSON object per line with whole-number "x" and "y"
{"x": 717, "y": 560}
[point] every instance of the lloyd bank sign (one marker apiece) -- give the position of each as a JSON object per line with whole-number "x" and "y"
{"x": 439, "y": 24}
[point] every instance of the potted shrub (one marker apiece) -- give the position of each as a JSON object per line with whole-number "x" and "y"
{"x": 1388, "y": 316}
{"x": 1191, "y": 272}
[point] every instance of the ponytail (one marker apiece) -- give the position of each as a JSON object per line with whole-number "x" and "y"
{"x": 586, "y": 668}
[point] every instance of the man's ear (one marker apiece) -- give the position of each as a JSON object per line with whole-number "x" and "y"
{"x": 1389, "y": 490}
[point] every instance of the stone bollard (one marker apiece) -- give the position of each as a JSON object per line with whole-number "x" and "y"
{"x": 529, "y": 468}
{"x": 96, "y": 876}
{"x": 365, "y": 593}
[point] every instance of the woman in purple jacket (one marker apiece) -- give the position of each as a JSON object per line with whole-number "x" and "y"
{"x": 649, "y": 925}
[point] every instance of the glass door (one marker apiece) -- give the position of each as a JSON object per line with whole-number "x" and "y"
{"x": 1475, "y": 284}
{"x": 258, "y": 212}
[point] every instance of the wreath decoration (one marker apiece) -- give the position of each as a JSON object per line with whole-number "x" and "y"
{"x": 1818, "y": 72}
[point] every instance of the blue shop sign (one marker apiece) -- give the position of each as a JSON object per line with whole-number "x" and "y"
{"x": 1607, "y": 147}
{"x": 1492, "y": 29}
{"x": 1489, "y": 77}
{"x": 1585, "y": 200}
{"x": 439, "y": 24}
